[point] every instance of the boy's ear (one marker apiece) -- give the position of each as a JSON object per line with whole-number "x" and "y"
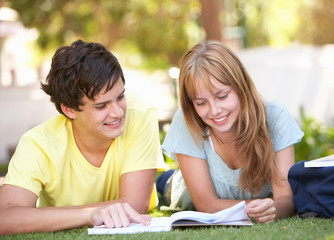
{"x": 69, "y": 112}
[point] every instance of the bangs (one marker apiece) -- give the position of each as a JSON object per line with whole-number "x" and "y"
{"x": 201, "y": 76}
{"x": 194, "y": 81}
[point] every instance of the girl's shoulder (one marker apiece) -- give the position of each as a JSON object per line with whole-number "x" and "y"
{"x": 275, "y": 111}
{"x": 274, "y": 107}
{"x": 283, "y": 128}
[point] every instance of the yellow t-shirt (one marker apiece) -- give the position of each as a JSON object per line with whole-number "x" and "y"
{"x": 48, "y": 162}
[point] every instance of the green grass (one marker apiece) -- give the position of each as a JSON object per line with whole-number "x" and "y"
{"x": 3, "y": 169}
{"x": 292, "y": 228}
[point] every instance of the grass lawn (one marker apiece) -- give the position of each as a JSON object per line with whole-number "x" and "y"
{"x": 291, "y": 228}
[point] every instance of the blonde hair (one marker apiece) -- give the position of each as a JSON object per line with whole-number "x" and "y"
{"x": 213, "y": 59}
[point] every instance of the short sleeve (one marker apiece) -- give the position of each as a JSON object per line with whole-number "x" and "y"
{"x": 28, "y": 167}
{"x": 143, "y": 150}
{"x": 283, "y": 128}
{"x": 179, "y": 140}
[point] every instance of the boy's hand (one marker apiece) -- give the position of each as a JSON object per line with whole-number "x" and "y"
{"x": 118, "y": 215}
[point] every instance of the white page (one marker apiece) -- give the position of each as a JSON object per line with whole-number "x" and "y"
{"x": 234, "y": 213}
{"x": 321, "y": 162}
{"x": 159, "y": 224}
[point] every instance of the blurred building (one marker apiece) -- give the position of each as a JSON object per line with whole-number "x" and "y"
{"x": 15, "y": 69}
{"x": 296, "y": 76}
{"x": 22, "y": 104}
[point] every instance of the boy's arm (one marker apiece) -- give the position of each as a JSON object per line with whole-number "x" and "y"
{"x": 136, "y": 189}
{"x": 18, "y": 213}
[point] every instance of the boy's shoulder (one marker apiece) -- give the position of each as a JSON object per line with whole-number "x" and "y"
{"x": 50, "y": 128}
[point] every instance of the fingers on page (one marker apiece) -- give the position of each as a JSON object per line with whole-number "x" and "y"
{"x": 119, "y": 216}
{"x": 135, "y": 216}
{"x": 106, "y": 218}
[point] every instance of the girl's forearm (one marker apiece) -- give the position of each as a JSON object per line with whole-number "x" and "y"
{"x": 285, "y": 207}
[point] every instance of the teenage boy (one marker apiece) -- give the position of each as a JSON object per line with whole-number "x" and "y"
{"x": 95, "y": 163}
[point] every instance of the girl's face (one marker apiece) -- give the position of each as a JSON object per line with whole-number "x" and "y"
{"x": 218, "y": 106}
{"x": 103, "y": 119}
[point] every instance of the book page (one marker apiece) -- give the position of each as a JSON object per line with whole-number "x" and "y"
{"x": 187, "y": 223}
{"x": 321, "y": 162}
{"x": 232, "y": 214}
{"x": 158, "y": 224}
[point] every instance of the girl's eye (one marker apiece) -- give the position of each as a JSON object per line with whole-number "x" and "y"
{"x": 199, "y": 103}
{"x": 223, "y": 97}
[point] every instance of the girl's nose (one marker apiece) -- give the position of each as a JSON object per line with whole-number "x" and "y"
{"x": 214, "y": 109}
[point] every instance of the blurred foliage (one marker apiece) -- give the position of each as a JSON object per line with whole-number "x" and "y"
{"x": 318, "y": 140}
{"x": 3, "y": 169}
{"x": 155, "y": 34}
{"x": 159, "y": 30}
{"x": 317, "y": 22}
{"x": 266, "y": 22}
{"x": 280, "y": 22}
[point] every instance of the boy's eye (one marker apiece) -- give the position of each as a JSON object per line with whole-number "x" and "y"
{"x": 101, "y": 106}
{"x": 120, "y": 97}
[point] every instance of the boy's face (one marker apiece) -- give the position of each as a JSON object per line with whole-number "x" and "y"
{"x": 102, "y": 119}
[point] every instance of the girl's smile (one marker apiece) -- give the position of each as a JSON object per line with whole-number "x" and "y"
{"x": 220, "y": 121}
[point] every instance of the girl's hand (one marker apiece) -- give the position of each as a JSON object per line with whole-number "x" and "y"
{"x": 263, "y": 210}
{"x": 118, "y": 215}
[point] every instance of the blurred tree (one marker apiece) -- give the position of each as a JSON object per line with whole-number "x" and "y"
{"x": 280, "y": 22}
{"x": 157, "y": 33}
{"x": 211, "y": 10}
{"x": 162, "y": 30}
{"x": 317, "y": 26}
{"x": 267, "y": 22}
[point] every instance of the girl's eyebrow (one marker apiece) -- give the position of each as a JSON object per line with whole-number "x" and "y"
{"x": 224, "y": 90}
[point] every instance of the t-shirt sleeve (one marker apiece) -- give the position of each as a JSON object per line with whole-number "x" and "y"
{"x": 283, "y": 128}
{"x": 27, "y": 167}
{"x": 143, "y": 149}
{"x": 179, "y": 140}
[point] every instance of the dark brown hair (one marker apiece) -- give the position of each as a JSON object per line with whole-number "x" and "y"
{"x": 81, "y": 69}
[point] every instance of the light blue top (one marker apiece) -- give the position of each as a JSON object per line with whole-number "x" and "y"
{"x": 284, "y": 132}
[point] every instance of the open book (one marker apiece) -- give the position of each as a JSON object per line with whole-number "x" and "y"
{"x": 321, "y": 162}
{"x": 233, "y": 216}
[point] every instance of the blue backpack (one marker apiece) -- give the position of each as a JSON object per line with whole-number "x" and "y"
{"x": 313, "y": 190}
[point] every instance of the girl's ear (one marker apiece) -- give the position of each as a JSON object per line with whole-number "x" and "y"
{"x": 69, "y": 112}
